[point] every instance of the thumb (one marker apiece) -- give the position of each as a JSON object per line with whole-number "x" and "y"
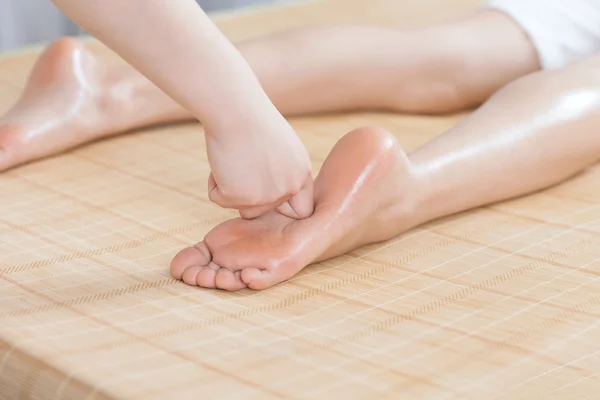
{"x": 302, "y": 204}
{"x": 255, "y": 212}
{"x": 215, "y": 195}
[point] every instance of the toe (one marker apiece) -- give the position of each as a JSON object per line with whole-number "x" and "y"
{"x": 197, "y": 255}
{"x": 208, "y": 276}
{"x": 259, "y": 279}
{"x": 229, "y": 280}
{"x": 190, "y": 274}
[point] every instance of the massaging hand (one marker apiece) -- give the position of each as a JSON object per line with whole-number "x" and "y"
{"x": 258, "y": 163}
{"x": 265, "y": 168}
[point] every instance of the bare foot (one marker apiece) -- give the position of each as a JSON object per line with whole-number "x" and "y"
{"x": 363, "y": 194}
{"x": 72, "y": 98}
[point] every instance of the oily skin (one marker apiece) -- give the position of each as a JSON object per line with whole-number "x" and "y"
{"x": 363, "y": 185}
{"x": 72, "y": 98}
{"x": 334, "y": 69}
{"x": 177, "y": 47}
{"x": 533, "y": 133}
{"x": 536, "y": 132}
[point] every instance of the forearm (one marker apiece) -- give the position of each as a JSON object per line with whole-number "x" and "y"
{"x": 536, "y": 132}
{"x": 179, "y": 49}
{"x": 442, "y": 68}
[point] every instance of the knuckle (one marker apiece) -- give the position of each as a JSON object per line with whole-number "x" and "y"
{"x": 294, "y": 186}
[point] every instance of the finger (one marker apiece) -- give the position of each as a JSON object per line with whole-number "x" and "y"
{"x": 255, "y": 212}
{"x": 302, "y": 205}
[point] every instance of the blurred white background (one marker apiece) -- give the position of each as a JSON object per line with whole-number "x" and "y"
{"x": 27, "y": 22}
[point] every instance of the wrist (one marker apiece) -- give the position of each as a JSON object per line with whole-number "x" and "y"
{"x": 248, "y": 120}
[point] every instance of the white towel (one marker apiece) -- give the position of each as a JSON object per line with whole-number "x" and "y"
{"x": 563, "y": 31}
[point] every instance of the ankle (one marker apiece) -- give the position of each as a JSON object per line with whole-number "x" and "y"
{"x": 407, "y": 211}
{"x": 436, "y": 190}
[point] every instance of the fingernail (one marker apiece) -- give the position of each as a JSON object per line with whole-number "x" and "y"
{"x": 287, "y": 210}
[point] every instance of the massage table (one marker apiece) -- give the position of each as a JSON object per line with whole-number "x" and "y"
{"x": 501, "y": 302}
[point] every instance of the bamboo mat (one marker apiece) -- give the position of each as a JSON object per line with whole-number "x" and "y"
{"x": 501, "y": 302}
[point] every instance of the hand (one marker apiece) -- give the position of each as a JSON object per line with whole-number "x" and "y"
{"x": 262, "y": 167}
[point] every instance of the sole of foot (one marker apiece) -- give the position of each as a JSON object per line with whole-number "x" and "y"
{"x": 364, "y": 194}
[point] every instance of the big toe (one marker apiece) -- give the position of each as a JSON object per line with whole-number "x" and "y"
{"x": 260, "y": 279}
{"x": 195, "y": 256}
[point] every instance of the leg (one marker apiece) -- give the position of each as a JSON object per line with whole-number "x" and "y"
{"x": 73, "y": 98}
{"x": 536, "y": 132}
{"x": 436, "y": 69}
